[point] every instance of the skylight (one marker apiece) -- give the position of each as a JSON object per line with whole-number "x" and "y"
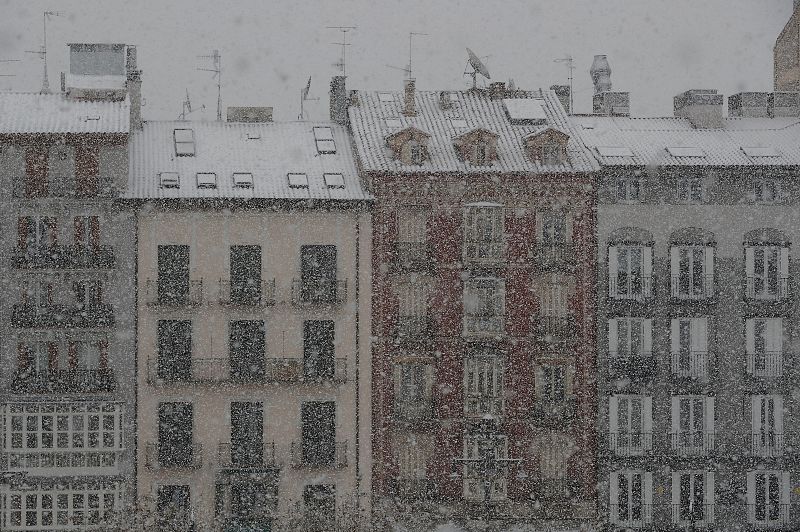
{"x": 386, "y": 97}
{"x": 614, "y": 151}
{"x": 393, "y": 122}
{"x": 243, "y": 180}
{"x": 184, "y": 142}
{"x": 253, "y": 135}
{"x": 685, "y": 151}
{"x": 525, "y": 110}
{"x": 458, "y": 123}
{"x": 169, "y": 180}
{"x": 760, "y": 151}
{"x": 334, "y": 180}
{"x": 297, "y": 180}
{"x": 323, "y": 136}
{"x": 206, "y": 180}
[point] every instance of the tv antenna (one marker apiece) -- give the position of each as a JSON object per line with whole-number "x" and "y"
{"x": 407, "y": 68}
{"x": 187, "y": 107}
{"x": 570, "y": 62}
{"x": 477, "y": 68}
{"x": 216, "y": 68}
{"x": 43, "y": 51}
{"x": 344, "y": 44}
{"x": 304, "y": 98}
{"x": 9, "y": 61}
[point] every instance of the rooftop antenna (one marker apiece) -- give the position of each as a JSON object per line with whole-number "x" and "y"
{"x": 570, "y": 62}
{"x": 407, "y": 69}
{"x": 304, "y": 98}
{"x": 477, "y": 68}
{"x": 342, "y": 64}
{"x": 187, "y": 107}
{"x": 8, "y": 61}
{"x": 43, "y": 51}
{"x": 216, "y": 68}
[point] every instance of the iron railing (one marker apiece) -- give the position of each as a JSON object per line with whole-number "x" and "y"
{"x": 692, "y": 364}
{"x": 319, "y": 292}
{"x": 233, "y": 457}
{"x": 630, "y": 443}
{"x": 484, "y": 324}
{"x": 319, "y": 455}
{"x": 170, "y": 294}
{"x": 693, "y": 442}
{"x": 554, "y": 256}
{"x": 765, "y": 364}
{"x": 766, "y": 290}
{"x": 260, "y": 294}
{"x": 64, "y": 257}
{"x": 636, "y": 288}
{"x": 692, "y": 287}
{"x": 157, "y": 456}
{"x": 60, "y": 316}
{"x": 413, "y": 256}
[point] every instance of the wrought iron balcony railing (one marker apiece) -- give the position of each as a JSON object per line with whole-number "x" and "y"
{"x": 319, "y": 292}
{"x": 693, "y": 288}
{"x": 77, "y": 380}
{"x": 691, "y": 364}
{"x": 554, "y": 256}
{"x": 693, "y": 442}
{"x": 319, "y": 454}
{"x": 169, "y": 293}
{"x": 630, "y": 443}
{"x": 27, "y": 316}
{"x": 758, "y": 288}
{"x": 635, "y": 288}
{"x": 64, "y": 258}
{"x": 413, "y": 256}
{"x": 159, "y": 456}
{"x": 246, "y": 456}
{"x": 765, "y": 364}
{"x": 258, "y": 294}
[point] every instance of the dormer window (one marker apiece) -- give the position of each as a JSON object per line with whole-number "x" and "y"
{"x": 478, "y": 147}
{"x": 481, "y": 153}
{"x": 184, "y": 142}
{"x": 547, "y": 146}
{"x": 551, "y": 154}
{"x": 409, "y": 145}
{"x": 415, "y": 152}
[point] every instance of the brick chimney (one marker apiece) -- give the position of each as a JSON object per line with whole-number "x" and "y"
{"x": 703, "y": 108}
{"x": 497, "y": 90}
{"x": 133, "y": 82}
{"x": 409, "y": 103}
{"x": 338, "y": 94}
{"x": 606, "y": 102}
{"x": 563, "y": 93}
{"x": 748, "y": 104}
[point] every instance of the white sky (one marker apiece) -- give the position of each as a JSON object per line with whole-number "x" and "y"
{"x": 657, "y": 48}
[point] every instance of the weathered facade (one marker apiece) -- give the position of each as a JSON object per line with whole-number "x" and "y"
{"x": 253, "y": 325}
{"x": 786, "y": 54}
{"x": 67, "y": 316}
{"x": 697, "y": 314}
{"x": 483, "y": 390}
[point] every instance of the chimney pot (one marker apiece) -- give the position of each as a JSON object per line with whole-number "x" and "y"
{"x": 601, "y": 74}
{"x": 409, "y": 102}
{"x": 338, "y": 96}
{"x": 703, "y": 108}
{"x": 563, "y": 94}
{"x": 497, "y": 90}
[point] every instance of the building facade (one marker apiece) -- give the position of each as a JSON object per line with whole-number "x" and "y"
{"x": 67, "y": 326}
{"x": 697, "y": 314}
{"x": 786, "y": 54}
{"x": 483, "y": 354}
{"x": 253, "y": 325}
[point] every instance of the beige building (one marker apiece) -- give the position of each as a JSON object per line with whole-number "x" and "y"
{"x": 787, "y": 54}
{"x": 253, "y": 324}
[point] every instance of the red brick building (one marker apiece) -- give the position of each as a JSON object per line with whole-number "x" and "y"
{"x": 483, "y": 316}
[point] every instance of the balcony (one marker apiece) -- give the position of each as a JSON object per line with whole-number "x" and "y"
{"x": 553, "y": 413}
{"x": 413, "y": 411}
{"x": 761, "y": 289}
{"x": 484, "y": 253}
{"x": 554, "y": 256}
{"x": 229, "y": 458}
{"x": 630, "y": 443}
{"x": 634, "y": 366}
{"x": 27, "y": 316}
{"x": 200, "y": 370}
{"x": 555, "y": 328}
{"x": 634, "y": 515}
{"x": 484, "y": 325}
{"x": 171, "y": 294}
{"x": 690, "y": 364}
{"x": 481, "y": 406}
{"x": 78, "y": 380}
{"x": 697, "y": 443}
{"x": 697, "y": 288}
{"x": 637, "y": 288}
{"x": 162, "y": 457}
{"x": 769, "y": 516}
{"x": 319, "y": 292}
{"x": 75, "y": 461}
{"x": 697, "y": 515}
{"x": 413, "y": 328}
{"x": 767, "y": 444}
{"x": 332, "y": 454}
{"x": 413, "y": 257}
{"x": 413, "y": 489}
{"x": 765, "y": 364}
{"x": 261, "y": 294}
{"x": 64, "y": 258}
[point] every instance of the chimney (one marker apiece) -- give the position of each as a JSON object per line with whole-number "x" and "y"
{"x": 249, "y": 114}
{"x": 409, "y": 103}
{"x": 783, "y": 104}
{"x": 444, "y": 100}
{"x": 703, "y": 108}
{"x": 338, "y": 95}
{"x": 133, "y": 82}
{"x": 601, "y": 74}
{"x": 748, "y": 104}
{"x": 63, "y": 82}
{"x": 563, "y": 94}
{"x": 497, "y": 90}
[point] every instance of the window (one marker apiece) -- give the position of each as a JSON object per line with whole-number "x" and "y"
{"x": 483, "y": 233}
{"x": 764, "y": 346}
{"x": 173, "y": 274}
{"x": 173, "y": 506}
{"x": 416, "y": 152}
{"x": 318, "y": 419}
{"x": 689, "y": 340}
{"x": 334, "y": 180}
{"x": 481, "y": 153}
{"x": 88, "y": 294}
{"x": 766, "y": 190}
{"x": 413, "y": 452}
{"x": 174, "y": 350}
{"x": 243, "y": 180}
{"x": 245, "y": 284}
{"x": 36, "y": 164}
{"x": 247, "y": 434}
{"x": 169, "y": 180}
{"x": 631, "y": 494}
{"x": 37, "y": 232}
{"x": 554, "y": 228}
{"x": 629, "y": 190}
{"x": 414, "y": 383}
{"x": 318, "y": 349}
{"x": 297, "y": 180}
{"x": 630, "y": 424}
{"x": 768, "y": 494}
{"x": 484, "y": 306}
{"x": 692, "y": 424}
{"x": 692, "y": 271}
{"x": 87, "y": 232}
{"x": 551, "y": 155}
{"x": 323, "y": 137}
{"x": 689, "y": 190}
{"x": 630, "y": 269}
{"x": 246, "y": 347}
{"x": 767, "y": 271}
{"x": 206, "y": 180}
{"x": 692, "y": 497}
{"x": 413, "y": 314}
{"x": 175, "y": 429}
{"x": 630, "y": 337}
{"x": 553, "y": 384}
{"x": 318, "y": 282}
{"x": 184, "y": 142}
{"x": 483, "y": 384}
{"x": 767, "y": 425}
{"x": 320, "y": 500}
{"x": 482, "y": 466}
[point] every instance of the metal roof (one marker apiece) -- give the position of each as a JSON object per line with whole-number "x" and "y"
{"x": 675, "y": 142}
{"x": 368, "y": 119}
{"x": 27, "y": 112}
{"x": 268, "y": 150}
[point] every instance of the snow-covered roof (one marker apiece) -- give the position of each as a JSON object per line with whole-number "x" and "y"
{"x": 267, "y": 151}
{"x": 625, "y": 141}
{"x": 26, "y": 112}
{"x": 377, "y": 115}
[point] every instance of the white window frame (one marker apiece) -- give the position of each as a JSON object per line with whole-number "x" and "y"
{"x": 185, "y": 145}
{"x": 698, "y": 284}
{"x": 484, "y": 306}
{"x": 484, "y": 231}
{"x": 764, "y": 346}
{"x": 774, "y": 270}
{"x": 483, "y": 385}
{"x": 689, "y": 190}
{"x": 628, "y": 189}
{"x": 412, "y": 457}
{"x": 206, "y": 179}
{"x": 474, "y": 449}
{"x": 626, "y": 332}
{"x": 169, "y": 180}
{"x": 619, "y": 501}
{"x": 774, "y": 511}
{"x": 635, "y": 280}
{"x": 766, "y": 420}
{"x": 334, "y": 180}
{"x": 689, "y": 347}
{"x": 692, "y": 435}
{"x": 297, "y": 179}
{"x": 700, "y": 482}
{"x": 766, "y": 190}
{"x": 323, "y": 138}
{"x": 630, "y": 424}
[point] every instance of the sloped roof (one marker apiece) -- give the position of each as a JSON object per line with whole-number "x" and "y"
{"x": 649, "y": 139}
{"x": 477, "y": 110}
{"x": 27, "y": 112}
{"x": 269, "y": 151}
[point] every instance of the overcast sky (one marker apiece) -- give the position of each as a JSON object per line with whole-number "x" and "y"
{"x": 657, "y": 48}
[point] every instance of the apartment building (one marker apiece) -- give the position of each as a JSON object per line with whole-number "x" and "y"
{"x": 697, "y": 312}
{"x": 253, "y": 324}
{"x": 66, "y": 318}
{"x": 483, "y": 355}
{"x": 786, "y": 54}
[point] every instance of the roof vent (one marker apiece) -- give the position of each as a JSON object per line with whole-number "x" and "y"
{"x": 249, "y": 114}
{"x": 783, "y": 104}
{"x": 703, "y": 108}
{"x": 748, "y": 104}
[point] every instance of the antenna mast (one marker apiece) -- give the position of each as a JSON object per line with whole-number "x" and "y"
{"x": 344, "y": 44}
{"x": 304, "y": 98}
{"x": 43, "y": 51}
{"x": 8, "y": 61}
{"x": 410, "y": 36}
{"x": 216, "y": 62}
{"x": 570, "y": 62}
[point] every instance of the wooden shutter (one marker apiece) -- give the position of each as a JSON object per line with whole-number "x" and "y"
{"x": 708, "y": 424}
{"x": 647, "y": 336}
{"x": 784, "y": 262}
{"x": 647, "y": 414}
{"x": 648, "y": 495}
{"x": 708, "y": 267}
{"x": 778, "y": 401}
{"x": 72, "y": 355}
{"x": 674, "y": 335}
{"x": 675, "y": 413}
{"x": 613, "y": 412}
{"x": 750, "y": 335}
{"x": 676, "y": 487}
{"x": 613, "y": 490}
{"x": 751, "y": 490}
{"x": 612, "y": 269}
{"x": 698, "y": 330}
{"x": 675, "y": 268}
{"x": 647, "y": 269}
{"x": 774, "y": 331}
{"x": 94, "y": 232}
{"x": 709, "y": 495}
{"x": 755, "y": 412}
{"x": 613, "y": 340}
{"x": 79, "y": 230}
{"x": 22, "y": 232}
{"x": 785, "y": 491}
{"x": 52, "y": 356}
{"x": 749, "y": 267}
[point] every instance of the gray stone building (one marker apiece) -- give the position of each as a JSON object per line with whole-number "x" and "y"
{"x": 67, "y": 341}
{"x": 697, "y": 313}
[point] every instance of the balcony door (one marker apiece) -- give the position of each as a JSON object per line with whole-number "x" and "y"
{"x": 319, "y": 432}
{"x": 246, "y": 349}
{"x": 318, "y": 273}
{"x": 173, "y": 274}
{"x": 174, "y": 350}
{"x": 245, "y": 274}
{"x": 318, "y": 349}
{"x": 247, "y": 434}
{"x": 175, "y": 427}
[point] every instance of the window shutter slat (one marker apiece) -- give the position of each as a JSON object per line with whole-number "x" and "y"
{"x": 613, "y": 340}
{"x": 647, "y": 335}
{"x": 612, "y": 269}
{"x": 784, "y": 262}
{"x": 750, "y": 335}
{"x": 613, "y": 408}
{"x": 675, "y": 411}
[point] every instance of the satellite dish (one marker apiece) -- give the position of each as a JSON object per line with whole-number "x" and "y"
{"x": 478, "y": 65}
